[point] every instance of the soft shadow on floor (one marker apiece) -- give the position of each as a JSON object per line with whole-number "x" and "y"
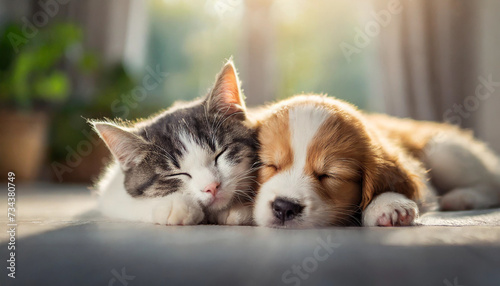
{"x": 92, "y": 254}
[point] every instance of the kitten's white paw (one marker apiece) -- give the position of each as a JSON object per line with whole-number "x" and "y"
{"x": 240, "y": 215}
{"x": 236, "y": 215}
{"x": 390, "y": 209}
{"x": 177, "y": 210}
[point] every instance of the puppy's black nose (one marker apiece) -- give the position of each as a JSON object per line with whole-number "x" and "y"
{"x": 285, "y": 210}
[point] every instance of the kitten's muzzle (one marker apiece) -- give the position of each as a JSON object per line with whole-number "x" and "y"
{"x": 212, "y": 188}
{"x": 285, "y": 210}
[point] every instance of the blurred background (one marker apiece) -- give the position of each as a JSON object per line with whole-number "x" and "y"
{"x": 63, "y": 61}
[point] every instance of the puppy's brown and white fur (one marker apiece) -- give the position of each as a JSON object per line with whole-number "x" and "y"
{"x": 326, "y": 163}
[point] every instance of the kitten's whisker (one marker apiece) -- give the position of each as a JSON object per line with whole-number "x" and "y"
{"x": 244, "y": 194}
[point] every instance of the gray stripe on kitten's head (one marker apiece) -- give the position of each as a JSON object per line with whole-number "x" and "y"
{"x": 189, "y": 147}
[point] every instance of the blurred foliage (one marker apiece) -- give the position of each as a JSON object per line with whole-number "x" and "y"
{"x": 34, "y": 70}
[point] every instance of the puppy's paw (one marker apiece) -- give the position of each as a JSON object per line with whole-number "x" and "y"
{"x": 177, "y": 210}
{"x": 390, "y": 209}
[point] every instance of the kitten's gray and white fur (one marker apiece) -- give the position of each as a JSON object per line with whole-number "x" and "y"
{"x": 192, "y": 163}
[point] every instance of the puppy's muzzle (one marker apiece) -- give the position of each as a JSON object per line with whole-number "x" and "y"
{"x": 285, "y": 210}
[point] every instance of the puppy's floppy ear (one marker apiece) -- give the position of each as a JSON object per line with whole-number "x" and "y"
{"x": 386, "y": 174}
{"x": 128, "y": 148}
{"x": 226, "y": 97}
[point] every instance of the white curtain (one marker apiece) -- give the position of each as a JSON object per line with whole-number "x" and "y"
{"x": 434, "y": 56}
{"x": 488, "y": 115}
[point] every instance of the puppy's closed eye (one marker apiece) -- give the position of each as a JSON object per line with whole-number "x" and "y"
{"x": 267, "y": 171}
{"x": 273, "y": 168}
{"x": 323, "y": 177}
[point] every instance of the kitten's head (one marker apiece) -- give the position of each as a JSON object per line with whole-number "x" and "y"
{"x": 204, "y": 149}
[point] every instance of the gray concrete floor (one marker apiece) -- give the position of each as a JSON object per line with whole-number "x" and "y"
{"x": 62, "y": 241}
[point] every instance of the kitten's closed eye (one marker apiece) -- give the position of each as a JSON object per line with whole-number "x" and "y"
{"x": 219, "y": 154}
{"x": 178, "y": 174}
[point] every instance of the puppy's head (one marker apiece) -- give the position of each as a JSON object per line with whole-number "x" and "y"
{"x": 320, "y": 165}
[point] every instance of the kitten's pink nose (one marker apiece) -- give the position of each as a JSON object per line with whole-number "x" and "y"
{"x": 212, "y": 188}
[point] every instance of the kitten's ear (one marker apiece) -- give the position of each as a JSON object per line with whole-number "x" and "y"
{"x": 128, "y": 148}
{"x": 226, "y": 97}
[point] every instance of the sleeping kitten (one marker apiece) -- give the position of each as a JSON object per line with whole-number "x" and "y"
{"x": 191, "y": 163}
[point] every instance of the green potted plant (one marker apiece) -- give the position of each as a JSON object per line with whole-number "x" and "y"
{"x": 33, "y": 80}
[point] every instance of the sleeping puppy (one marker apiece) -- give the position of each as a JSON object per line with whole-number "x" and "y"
{"x": 326, "y": 163}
